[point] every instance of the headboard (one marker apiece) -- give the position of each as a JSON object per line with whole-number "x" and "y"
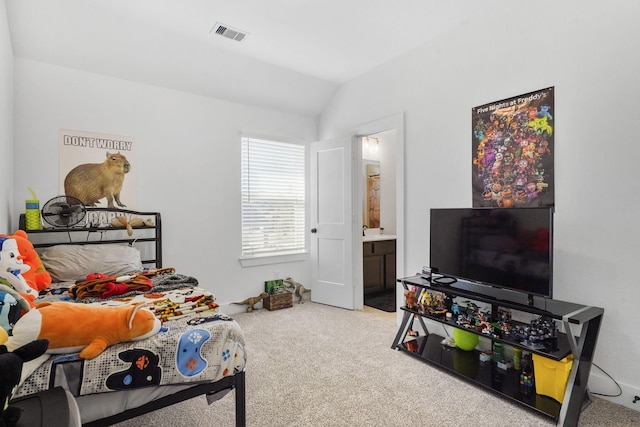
{"x": 96, "y": 228}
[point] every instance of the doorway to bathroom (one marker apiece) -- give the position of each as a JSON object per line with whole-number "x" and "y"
{"x": 379, "y": 219}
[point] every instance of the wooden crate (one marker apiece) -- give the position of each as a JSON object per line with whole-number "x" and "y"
{"x": 278, "y": 301}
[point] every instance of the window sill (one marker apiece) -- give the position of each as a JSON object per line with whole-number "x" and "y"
{"x": 273, "y": 259}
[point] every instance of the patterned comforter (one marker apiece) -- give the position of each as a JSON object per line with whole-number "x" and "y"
{"x": 196, "y": 344}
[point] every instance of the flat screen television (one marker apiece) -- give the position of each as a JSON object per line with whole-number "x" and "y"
{"x": 499, "y": 247}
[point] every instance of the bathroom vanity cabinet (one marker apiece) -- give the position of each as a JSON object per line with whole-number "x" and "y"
{"x": 379, "y": 264}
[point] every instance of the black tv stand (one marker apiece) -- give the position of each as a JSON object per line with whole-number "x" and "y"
{"x": 581, "y": 325}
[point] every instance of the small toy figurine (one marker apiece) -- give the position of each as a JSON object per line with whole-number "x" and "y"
{"x": 412, "y": 345}
{"x": 455, "y": 309}
{"x": 448, "y": 302}
{"x": 504, "y": 315}
{"x": 298, "y": 289}
{"x": 526, "y": 375}
{"x": 411, "y": 300}
{"x": 251, "y": 302}
{"x": 426, "y": 301}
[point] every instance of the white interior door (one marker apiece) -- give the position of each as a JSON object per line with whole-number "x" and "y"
{"x": 331, "y": 221}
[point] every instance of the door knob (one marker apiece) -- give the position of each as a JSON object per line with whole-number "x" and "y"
{"x": 314, "y": 230}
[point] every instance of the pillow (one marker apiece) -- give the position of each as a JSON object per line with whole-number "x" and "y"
{"x": 67, "y": 263}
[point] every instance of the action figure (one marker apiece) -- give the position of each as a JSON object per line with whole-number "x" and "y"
{"x": 250, "y": 302}
{"x": 298, "y": 289}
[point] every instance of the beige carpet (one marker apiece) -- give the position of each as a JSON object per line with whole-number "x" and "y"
{"x": 315, "y": 365}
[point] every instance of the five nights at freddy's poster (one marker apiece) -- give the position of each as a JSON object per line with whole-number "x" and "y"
{"x": 513, "y": 151}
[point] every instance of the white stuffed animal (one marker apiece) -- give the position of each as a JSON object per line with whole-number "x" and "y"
{"x": 12, "y": 267}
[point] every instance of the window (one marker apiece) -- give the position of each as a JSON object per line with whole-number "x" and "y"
{"x": 273, "y": 198}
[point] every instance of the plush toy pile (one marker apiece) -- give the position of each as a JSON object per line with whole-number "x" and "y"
{"x": 28, "y": 330}
{"x": 12, "y": 269}
{"x": 17, "y": 295}
{"x": 22, "y": 275}
{"x": 12, "y": 307}
{"x": 37, "y": 276}
{"x": 10, "y": 371}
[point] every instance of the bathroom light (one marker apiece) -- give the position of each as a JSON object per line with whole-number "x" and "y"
{"x": 369, "y": 149}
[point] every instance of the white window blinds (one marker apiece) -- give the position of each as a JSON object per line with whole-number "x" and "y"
{"x": 273, "y": 198}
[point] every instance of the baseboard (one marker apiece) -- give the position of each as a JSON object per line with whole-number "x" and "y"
{"x": 599, "y": 383}
{"x": 230, "y": 308}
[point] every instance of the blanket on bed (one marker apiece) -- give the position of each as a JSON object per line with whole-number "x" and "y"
{"x": 159, "y": 283}
{"x": 198, "y": 349}
{"x": 195, "y": 345}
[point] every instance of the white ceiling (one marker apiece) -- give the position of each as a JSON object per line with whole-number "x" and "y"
{"x": 308, "y": 47}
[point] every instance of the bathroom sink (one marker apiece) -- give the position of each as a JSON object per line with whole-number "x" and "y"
{"x": 377, "y": 237}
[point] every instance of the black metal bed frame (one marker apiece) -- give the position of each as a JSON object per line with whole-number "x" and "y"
{"x": 94, "y": 230}
{"x": 236, "y": 382}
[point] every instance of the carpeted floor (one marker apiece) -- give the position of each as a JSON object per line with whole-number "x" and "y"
{"x": 316, "y": 365}
{"x": 385, "y": 300}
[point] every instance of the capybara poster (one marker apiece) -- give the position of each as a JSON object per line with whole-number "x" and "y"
{"x": 98, "y": 169}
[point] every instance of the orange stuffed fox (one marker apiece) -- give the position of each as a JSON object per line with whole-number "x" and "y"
{"x": 71, "y": 327}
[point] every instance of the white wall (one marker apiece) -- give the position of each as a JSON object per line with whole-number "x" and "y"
{"x": 589, "y": 51}
{"x": 6, "y": 122}
{"x": 388, "y": 181}
{"x": 187, "y": 162}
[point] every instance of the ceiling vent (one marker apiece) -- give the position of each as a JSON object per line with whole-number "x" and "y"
{"x": 228, "y": 32}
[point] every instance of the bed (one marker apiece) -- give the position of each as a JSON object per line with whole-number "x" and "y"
{"x": 198, "y": 351}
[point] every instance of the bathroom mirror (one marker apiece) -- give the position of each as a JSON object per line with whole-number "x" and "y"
{"x": 371, "y": 217}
